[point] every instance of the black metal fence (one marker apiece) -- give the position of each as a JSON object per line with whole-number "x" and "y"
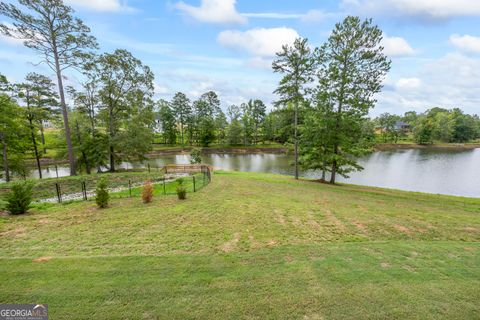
{"x": 165, "y": 181}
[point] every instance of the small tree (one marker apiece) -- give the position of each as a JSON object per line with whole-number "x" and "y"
{"x": 20, "y": 197}
{"x": 102, "y": 196}
{"x": 181, "y": 190}
{"x": 196, "y": 156}
{"x": 147, "y": 191}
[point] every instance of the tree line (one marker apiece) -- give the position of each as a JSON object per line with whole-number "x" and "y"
{"x": 325, "y": 95}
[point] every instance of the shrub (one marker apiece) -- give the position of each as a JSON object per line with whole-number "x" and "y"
{"x": 196, "y": 156}
{"x": 147, "y": 192}
{"x": 181, "y": 190}
{"x": 19, "y": 198}
{"x": 102, "y": 196}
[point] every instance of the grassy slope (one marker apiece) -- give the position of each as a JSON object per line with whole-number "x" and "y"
{"x": 251, "y": 246}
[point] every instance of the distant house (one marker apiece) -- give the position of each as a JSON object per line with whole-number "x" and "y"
{"x": 401, "y": 126}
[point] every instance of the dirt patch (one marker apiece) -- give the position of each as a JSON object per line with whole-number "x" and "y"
{"x": 312, "y": 221}
{"x": 15, "y": 233}
{"x": 230, "y": 245}
{"x": 280, "y": 218}
{"x": 401, "y": 228}
{"x": 385, "y": 265}
{"x": 360, "y": 226}
{"x": 334, "y": 220}
{"x": 42, "y": 259}
{"x": 470, "y": 229}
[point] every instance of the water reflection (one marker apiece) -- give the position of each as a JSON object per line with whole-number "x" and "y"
{"x": 445, "y": 172}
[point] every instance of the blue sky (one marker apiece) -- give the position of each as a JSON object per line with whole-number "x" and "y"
{"x": 227, "y": 46}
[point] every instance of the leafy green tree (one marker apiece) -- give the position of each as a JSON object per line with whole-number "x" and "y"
{"x": 297, "y": 65}
{"x": 39, "y": 98}
{"x": 257, "y": 111}
{"x": 352, "y": 68}
{"x": 167, "y": 122}
{"x": 49, "y": 28}
{"x": 207, "y": 108}
{"x": 102, "y": 197}
{"x": 183, "y": 111}
{"x": 423, "y": 130}
{"x": 234, "y": 128}
{"x": 13, "y": 137}
{"x": 387, "y": 122}
{"x": 127, "y": 110}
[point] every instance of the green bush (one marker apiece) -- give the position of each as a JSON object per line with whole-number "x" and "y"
{"x": 19, "y": 197}
{"x": 102, "y": 196}
{"x": 181, "y": 190}
{"x": 196, "y": 156}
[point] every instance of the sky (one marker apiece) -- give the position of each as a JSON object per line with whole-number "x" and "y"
{"x": 227, "y": 46}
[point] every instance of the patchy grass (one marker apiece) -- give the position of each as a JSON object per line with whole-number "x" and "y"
{"x": 250, "y": 246}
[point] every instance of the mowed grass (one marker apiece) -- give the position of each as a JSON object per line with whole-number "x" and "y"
{"x": 253, "y": 246}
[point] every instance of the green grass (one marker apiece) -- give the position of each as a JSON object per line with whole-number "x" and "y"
{"x": 253, "y": 246}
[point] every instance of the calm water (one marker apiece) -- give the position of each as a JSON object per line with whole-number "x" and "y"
{"x": 444, "y": 172}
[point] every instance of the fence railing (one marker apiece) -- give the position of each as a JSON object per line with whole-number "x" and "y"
{"x": 165, "y": 181}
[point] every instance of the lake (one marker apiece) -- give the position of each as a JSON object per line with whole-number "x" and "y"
{"x": 432, "y": 171}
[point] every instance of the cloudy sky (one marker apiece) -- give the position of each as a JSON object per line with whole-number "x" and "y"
{"x": 227, "y": 46}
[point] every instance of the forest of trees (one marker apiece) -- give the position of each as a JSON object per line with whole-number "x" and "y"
{"x": 324, "y": 99}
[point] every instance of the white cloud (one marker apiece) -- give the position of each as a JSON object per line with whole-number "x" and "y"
{"x": 450, "y": 81}
{"x": 397, "y": 46}
{"x": 101, "y": 5}
{"x": 213, "y": 11}
{"x": 466, "y": 43}
{"x": 433, "y": 9}
{"x": 408, "y": 83}
{"x": 273, "y": 15}
{"x": 261, "y": 42}
{"x": 316, "y": 16}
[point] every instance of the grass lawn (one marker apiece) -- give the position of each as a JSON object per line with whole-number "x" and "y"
{"x": 255, "y": 246}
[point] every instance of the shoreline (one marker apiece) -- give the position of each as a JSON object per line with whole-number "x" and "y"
{"x": 404, "y": 146}
{"x": 283, "y": 150}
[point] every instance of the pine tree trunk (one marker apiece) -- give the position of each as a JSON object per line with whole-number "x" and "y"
{"x": 296, "y": 139}
{"x": 5, "y": 160}
{"x": 112, "y": 151}
{"x": 71, "y": 156}
{"x": 43, "y": 137}
{"x": 35, "y": 149}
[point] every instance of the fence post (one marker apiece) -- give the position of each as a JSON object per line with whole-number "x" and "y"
{"x": 59, "y": 194}
{"x": 194, "y": 190}
{"x": 148, "y": 165}
{"x": 130, "y": 187}
{"x": 56, "y": 170}
{"x": 84, "y": 191}
{"x": 164, "y": 190}
{"x": 204, "y": 174}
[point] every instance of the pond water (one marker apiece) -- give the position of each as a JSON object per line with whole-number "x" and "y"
{"x": 443, "y": 172}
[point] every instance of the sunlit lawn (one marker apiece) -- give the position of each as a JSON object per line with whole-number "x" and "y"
{"x": 249, "y": 246}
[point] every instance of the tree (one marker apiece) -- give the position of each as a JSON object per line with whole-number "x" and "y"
{"x": 257, "y": 111}
{"x": 127, "y": 109}
{"x": 39, "y": 98}
{"x": 207, "y": 110}
{"x": 298, "y": 66}
{"x": 167, "y": 122}
{"x": 352, "y": 66}
{"x": 12, "y": 132}
{"x": 183, "y": 110}
{"x": 234, "y": 128}
{"x": 49, "y": 28}
{"x": 387, "y": 123}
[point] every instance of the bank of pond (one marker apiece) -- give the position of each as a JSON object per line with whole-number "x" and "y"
{"x": 440, "y": 171}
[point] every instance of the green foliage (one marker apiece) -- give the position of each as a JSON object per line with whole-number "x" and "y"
{"x": 181, "y": 189}
{"x": 196, "y": 156}
{"x": 167, "y": 122}
{"x": 351, "y": 68}
{"x": 101, "y": 194}
{"x": 20, "y": 197}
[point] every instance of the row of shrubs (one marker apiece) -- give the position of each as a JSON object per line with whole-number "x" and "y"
{"x": 19, "y": 198}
